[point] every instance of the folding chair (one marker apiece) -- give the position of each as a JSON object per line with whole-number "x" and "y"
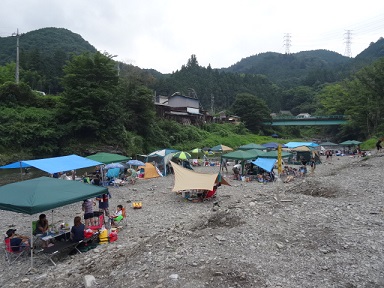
{"x": 10, "y": 255}
{"x": 123, "y": 221}
{"x": 37, "y": 242}
{"x": 100, "y": 221}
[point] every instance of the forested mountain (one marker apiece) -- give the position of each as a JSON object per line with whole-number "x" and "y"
{"x": 47, "y": 41}
{"x": 43, "y": 54}
{"x": 290, "y": 70}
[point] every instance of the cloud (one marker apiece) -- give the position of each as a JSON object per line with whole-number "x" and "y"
{"x": 163, "y": 34}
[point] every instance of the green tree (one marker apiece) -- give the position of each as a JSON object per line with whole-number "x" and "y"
{"x": 332, "y": 99}
{"x": 90, "y": 86}
{"x": 7, "y": 73}
{"x": 12, "y": 94}
{"x": 252, "y": 110}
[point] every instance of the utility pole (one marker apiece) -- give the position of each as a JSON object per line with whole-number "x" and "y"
{"x": 287, "y": 42}
{"x": 17, "y": 54}
{"x": 348, "y": 42}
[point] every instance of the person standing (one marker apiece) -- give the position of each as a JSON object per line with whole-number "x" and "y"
{"x": 104, "y": 203}
{"x": 312, "y": 163}
{"x": 87, "y": 207}
{"x": 224, "y": 165}
{"x": 378, "y": 145}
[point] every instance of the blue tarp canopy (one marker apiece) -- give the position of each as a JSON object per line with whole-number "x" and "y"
{"x": 297, "y": 144}
{"x": 55, "y": 164}
{"x": 265, "y": 163}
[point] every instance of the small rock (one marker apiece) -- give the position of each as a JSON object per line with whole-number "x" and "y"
{"x": 89, "y": 281}
{"x": 279, "y": 245}
{"x": 220, "y": 238}
{"x": 218, "y": 273}
{"x": 24, "y": 280}
{"x": 174, "y": 276}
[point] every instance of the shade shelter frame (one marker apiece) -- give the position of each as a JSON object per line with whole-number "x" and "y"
{"x": 44, "y": 193}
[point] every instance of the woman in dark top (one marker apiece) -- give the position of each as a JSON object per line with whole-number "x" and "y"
{"x": 77, "y": 231}
{"x": 41, "y": 225}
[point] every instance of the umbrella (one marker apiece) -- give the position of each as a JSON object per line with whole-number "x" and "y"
{"x": 113, "y": 165}
{"x": 135, "y": 162}
{"x": 197, "y": 151}
{"x": 251, "y": 146}
{"x": 271, "y": 145}
{"x": 350, "y": 142}
{"x": 182, "y": 155}
{"x": 221, "y": 148}
{"x": 301, "y": 148}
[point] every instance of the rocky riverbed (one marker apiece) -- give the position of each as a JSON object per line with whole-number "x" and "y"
{"x": 324, "y": 230}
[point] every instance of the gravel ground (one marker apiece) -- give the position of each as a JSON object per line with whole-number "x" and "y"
{"x": 324, "y": 230}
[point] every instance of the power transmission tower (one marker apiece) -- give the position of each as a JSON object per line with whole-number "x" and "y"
{"x": 17, "y": 54}
{"x": 287, "y": 42}
{"x": 212, "y": 104}
{"x": 348, "y": 42}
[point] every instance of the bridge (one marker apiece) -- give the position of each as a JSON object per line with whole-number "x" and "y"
{"x": 308, "y": 121}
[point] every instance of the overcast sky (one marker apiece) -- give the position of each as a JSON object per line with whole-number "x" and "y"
{"x": 163, "y": 34}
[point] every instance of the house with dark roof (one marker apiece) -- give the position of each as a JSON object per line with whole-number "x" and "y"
{"x": 181, "y": 108}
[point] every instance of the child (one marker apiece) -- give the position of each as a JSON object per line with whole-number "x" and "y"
{"x": 87, "y": 207}
{"x": 117, "y": 216}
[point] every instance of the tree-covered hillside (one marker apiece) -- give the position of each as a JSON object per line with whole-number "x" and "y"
{"x": 290, "y": 70}
{"x": 46, "y": 40}
{"x": 43, "y": 53}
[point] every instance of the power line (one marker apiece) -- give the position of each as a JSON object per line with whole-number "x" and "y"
{"x": 287, "y": 42}
{"x": 348, "y": 42}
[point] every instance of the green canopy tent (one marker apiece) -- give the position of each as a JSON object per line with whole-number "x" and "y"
{"x": 252, "y": 146}
{"x": 328, "y": 144}
{"x": 239, "y": 155}
{"x": 273, "y": 154}
{"x": 43, "y": 194}
{"x": 107, "y": 158}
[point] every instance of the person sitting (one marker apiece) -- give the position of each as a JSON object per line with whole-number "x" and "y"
{"x": 132, "y": 175}
{"x": 41, "y": 225}
{"x": 289, "y": 178}
{"x": 260, "y": 178}
{"x": 77, "y": 231}
{"x": 236, "y": 171}
{"x": 17, "y": 242}
{"x": 96, "y": 181}
{"x": 117, "y": 216}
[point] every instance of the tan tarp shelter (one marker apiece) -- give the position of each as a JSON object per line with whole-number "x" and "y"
{"x": 150, "y": 171}
{"x": 186, "y": 179}
{"x": 301, "y": 148}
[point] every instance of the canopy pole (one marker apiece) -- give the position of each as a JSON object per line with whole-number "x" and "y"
{"x": 31, "y": 248}
{"x": 21, "y": 171}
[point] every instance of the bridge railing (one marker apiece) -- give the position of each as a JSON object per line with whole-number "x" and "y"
{"x": 313, "y": 117}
